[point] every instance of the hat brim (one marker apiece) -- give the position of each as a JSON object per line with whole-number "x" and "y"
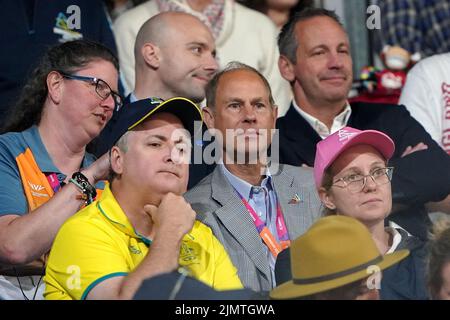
{"x": 187, "y": 111}
{"x": 290, "y": 290}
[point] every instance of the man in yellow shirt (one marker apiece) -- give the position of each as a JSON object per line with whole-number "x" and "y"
{"x": 141, "y": 226}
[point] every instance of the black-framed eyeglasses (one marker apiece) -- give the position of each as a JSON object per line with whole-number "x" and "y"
{"x": 102, "y": 88}
{"x": 356, "y": 182}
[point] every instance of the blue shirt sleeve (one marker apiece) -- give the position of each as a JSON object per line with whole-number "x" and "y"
{"x": 12, "y": 197}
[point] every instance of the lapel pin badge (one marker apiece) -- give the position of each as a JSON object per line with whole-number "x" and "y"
{"x": 295, "y": 199}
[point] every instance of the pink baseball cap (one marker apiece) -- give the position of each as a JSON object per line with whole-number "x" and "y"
{"x": 332, "y": 146}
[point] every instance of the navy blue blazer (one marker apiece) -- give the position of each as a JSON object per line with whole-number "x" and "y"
{"x": 418, "y": 178}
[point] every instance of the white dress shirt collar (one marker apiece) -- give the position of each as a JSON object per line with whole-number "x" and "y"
{"x": 339, "y": 122}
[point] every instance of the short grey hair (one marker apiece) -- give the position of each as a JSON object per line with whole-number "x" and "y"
{"x": 211, "y": 87}
{"x": 122, "y": 144}
{"x": 287, "y": 41}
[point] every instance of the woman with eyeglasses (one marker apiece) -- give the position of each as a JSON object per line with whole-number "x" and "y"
{"x": 353, "y": 179}
{"x": 46, "y": 175}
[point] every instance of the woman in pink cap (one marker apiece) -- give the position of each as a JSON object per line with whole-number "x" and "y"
{"x": 353, "y": 179}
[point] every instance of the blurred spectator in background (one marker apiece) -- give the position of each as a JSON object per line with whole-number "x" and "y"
{"x": 426, "y": 95}
{"x": 439, "y": 261}
{"x": 278, "y": 11}
{"x": 29, "y": 27}
{"x": 240, "y": 34}
{"x": 117, "y": 7}
{"x": 419, "y": 26}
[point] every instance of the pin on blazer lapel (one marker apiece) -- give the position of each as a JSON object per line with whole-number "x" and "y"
{"x": 287, "y": 189}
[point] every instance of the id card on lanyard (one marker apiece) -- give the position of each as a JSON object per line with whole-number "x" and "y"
{"x": 54, "y": 182}
{"x": 264, "y": 232}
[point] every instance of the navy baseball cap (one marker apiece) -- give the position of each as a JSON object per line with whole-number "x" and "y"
{"x": 136, "y": 112}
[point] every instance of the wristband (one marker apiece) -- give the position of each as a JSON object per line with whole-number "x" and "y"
{"x": 82, "y": 183}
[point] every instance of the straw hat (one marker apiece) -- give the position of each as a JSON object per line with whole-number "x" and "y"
{"x": 335, "y": 251}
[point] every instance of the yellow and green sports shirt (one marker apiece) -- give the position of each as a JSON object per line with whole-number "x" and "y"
{"x": 99, "y": 243}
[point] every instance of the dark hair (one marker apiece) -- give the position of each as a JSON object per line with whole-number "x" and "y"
{"x": 348, "y": 291}
{"x": 287, "y": 41}
{"x": 67, "y": 57}
{"x": 109, "y": 4}
{"x": 211, "y": 87}
{"x": 261, "y": 5}
{"x": 327, "y": 182}
{"x": 439, "y": 255}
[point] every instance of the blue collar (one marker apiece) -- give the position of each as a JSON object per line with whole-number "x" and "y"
{"x": 243, "y": 187}
{"x": 45, "y": 163}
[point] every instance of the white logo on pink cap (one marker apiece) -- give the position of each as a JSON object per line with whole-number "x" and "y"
{"x": 345, "y": 135}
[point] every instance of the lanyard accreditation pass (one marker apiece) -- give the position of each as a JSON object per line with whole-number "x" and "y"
{"x": 264, "y": 232}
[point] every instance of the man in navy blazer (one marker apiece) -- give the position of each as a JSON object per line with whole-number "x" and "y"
{"x": 316, "y": 60}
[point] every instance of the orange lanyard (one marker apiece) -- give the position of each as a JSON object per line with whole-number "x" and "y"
{"x": 264, "y": 232}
